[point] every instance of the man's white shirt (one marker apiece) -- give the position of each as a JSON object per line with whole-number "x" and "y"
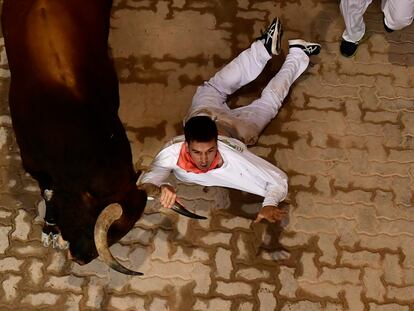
{"x": 241, "y": 170}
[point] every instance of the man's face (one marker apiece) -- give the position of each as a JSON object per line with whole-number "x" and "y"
{"x": 202, "y": 153}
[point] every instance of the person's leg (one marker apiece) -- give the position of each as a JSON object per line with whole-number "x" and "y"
{"x": 210, "y": 98}
{"x": 212, "y": 95}
{"x": 398, "y": 13}
{"x": 253, "y": 118}
{"x": 352, "y": 13}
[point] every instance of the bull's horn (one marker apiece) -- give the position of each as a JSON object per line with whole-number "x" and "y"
{"x": 178, "y": 208}
{"x": 110, "y": 214}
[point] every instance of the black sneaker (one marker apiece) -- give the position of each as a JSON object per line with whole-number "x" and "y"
{"x": 347, "y": 48}
{"x": 272, "y": 38}
{"x": 310, "y": 48}
{"x": 387, "y": 29}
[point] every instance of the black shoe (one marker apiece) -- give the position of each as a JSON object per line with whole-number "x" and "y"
{"x": 272, "y": 38}
{"x": 387, "y": 29}
{"x": 310, "y": 48}
{"x": 348, "y": 49}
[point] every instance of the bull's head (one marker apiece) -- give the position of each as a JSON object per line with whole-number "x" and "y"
{"x": 95, "y": 225}
{"x": 90, "y": 233}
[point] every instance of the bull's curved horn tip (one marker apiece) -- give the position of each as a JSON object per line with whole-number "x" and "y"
{"x": 105, "y": 219}
{"x": 178, "y": 208}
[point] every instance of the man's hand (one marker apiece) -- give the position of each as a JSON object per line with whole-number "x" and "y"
{"x": 168, "y": 196}
{"x": 270, "y": 213}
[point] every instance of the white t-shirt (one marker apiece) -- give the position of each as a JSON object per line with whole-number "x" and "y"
{"x": 241, "y": 170}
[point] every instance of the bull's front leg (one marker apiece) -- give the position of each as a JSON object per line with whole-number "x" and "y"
{"x": 51, "y": 235}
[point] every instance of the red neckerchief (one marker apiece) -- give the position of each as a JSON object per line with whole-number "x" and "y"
{"x": 187, "y": 163}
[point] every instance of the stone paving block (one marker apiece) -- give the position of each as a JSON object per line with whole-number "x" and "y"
{"x": 395, "y": 227}
{"x": 65, "y": 283}
{"x": 200, "y": 275}
{"x": 94, "y": 293}
{"x": 196, "y": 255}
{"x": 160, "y": 251}
{"x": 10, "y": 264}
{"x": 252, "y": 274}
{"x": 288, "y": 282}
{"x": 302, "y": 305}
{"x": 36, "y": 271}
{"x": 374, "y": 287}
{"x": 31, "y": 250}
{"x": 182, "y": 225}
{"x": 381, "y": 117}
{"x": 314, "y": 225}
{"x": 340, "y": 275}
{"x": 361, "y": 259}
{"x": 354, "y": 298}
{"x": 274, "y": 139}
{"x": 22, "y": 229}
{"x": 396, "y": 104}
{"x": 408, "y": 276}
{"x": 242, "y": 248}
{"x": 323, "y": 186}
{"x": 223, "y": 262}
{"x": 334, "y": 307}
{"x": 320, "y": 289}
{"x": 171, "y": 269}
{"x": 72, "y": 302}
{"x": 245, "y": 306}
{"x": 403, "y": 293}
{"x": 379, "y": 242}
{"x": 236, "y": 222}
{"x": 215, "y": 304}
{"x": 353, "y": 196}
{"x": 39, "y": 299}
{"x": 148, "y": 221}
{"x": 326, "y": 244}
{"x": 127, "y": 302}
{"x": 138, "y": 235}
{"x": 4, "y": 242}
{"x": 387, "y": 307}
{"x": 407, "y": 250}
{"x": 393, "y": 273}
{"x": 158, "y": 304}
{"x": 58, "y": 260}
{"x": 146, "y": 285}
{"x": 295, "y": 239}
{"x": 217, "y": 238}
{"x": 298, "y": 180}
{"x": 10, "y": 287}
{"x": 266, "y": 297}
{"x": 310, "y": 271}
{"x": 234, "y": 289}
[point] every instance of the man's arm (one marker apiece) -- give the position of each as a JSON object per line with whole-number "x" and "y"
{"x": 275, "y": 193}
{"x": 166, "y": 193}
{"x": 153, "y": 181}
{"x": 270, "y": 213}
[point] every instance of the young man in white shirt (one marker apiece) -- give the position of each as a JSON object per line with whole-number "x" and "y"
{"x": 213, "y": 150}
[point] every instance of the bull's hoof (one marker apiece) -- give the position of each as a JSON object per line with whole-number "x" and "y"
{"x": 51, "y": 237}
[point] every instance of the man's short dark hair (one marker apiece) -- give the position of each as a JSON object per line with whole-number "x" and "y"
{"x": 201, "y": 129}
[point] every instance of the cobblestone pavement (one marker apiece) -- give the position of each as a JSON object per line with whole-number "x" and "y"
{"x": 345, "y": 137}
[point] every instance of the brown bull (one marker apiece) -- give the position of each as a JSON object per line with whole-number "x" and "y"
{"x": 64, "y": 103}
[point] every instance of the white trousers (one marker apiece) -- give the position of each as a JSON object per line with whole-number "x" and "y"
{"x": 397, "y": 15}
{"x": 246, "y": 123}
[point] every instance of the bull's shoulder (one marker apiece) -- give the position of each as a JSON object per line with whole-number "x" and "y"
{"x": 55, "y": 41}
